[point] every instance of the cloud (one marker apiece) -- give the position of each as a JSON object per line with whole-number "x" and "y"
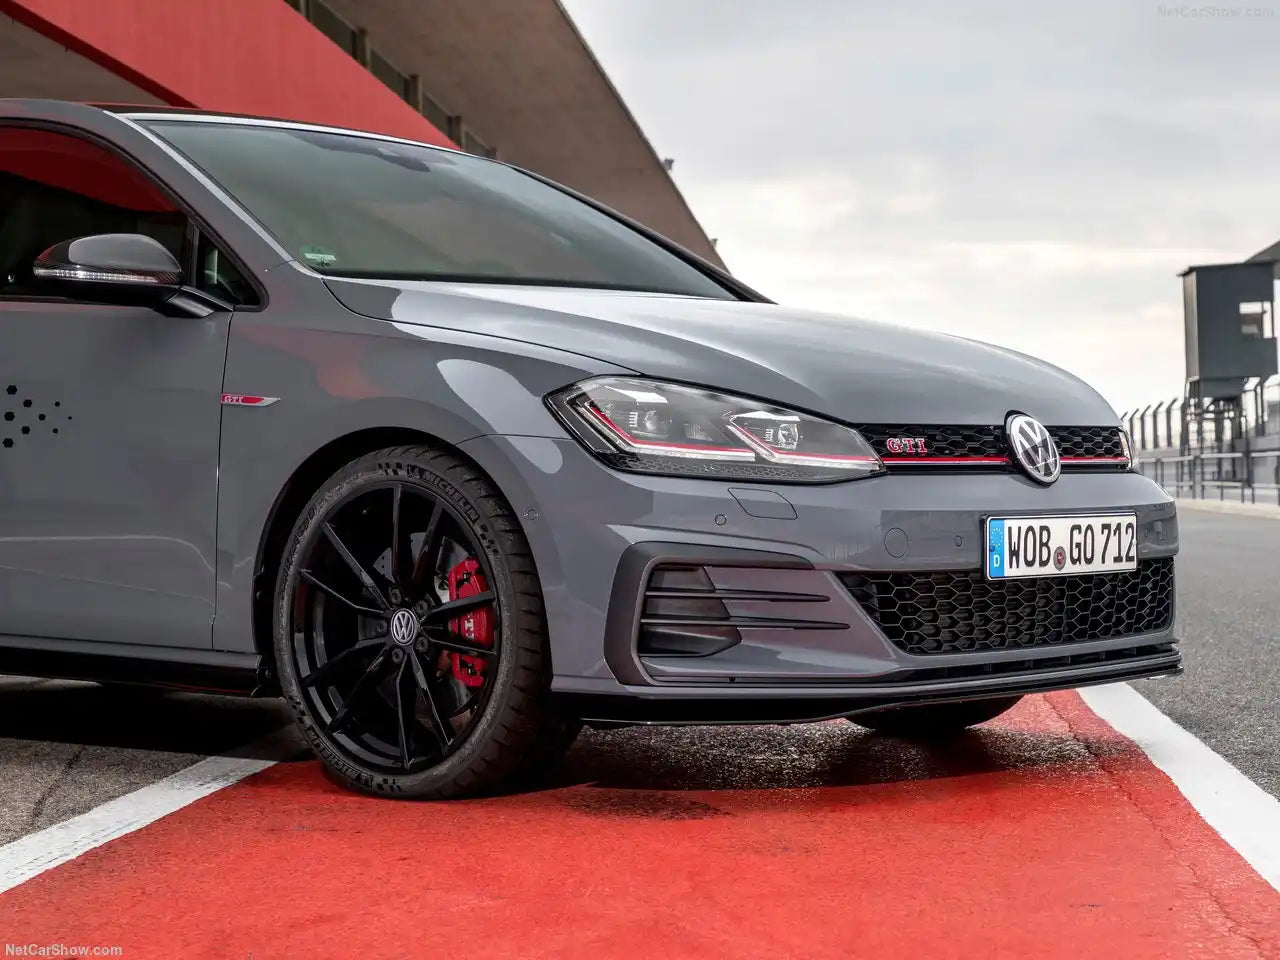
{"x": 1034, "y": 175}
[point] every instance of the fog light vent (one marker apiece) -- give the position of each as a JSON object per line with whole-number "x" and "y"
{"x": 682, "y": 616}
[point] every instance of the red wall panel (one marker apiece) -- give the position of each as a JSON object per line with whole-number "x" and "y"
{"x": 72, "y": 164}
{"x": 242, "y": 56}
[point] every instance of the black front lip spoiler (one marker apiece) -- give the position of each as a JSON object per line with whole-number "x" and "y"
{"x": 745, "y": 704}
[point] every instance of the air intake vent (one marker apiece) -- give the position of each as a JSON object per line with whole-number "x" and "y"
{"x": 962, "y": 611}
{"x": 685, "y": 614}
{"x": 683, "y": 617}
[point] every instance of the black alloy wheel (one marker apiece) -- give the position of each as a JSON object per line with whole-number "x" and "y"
{"x": 409, "y": 630}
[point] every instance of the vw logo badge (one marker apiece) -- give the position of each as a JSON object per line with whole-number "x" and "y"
{"x": 1033, "y": 448}
{"x": 404, "y": 627}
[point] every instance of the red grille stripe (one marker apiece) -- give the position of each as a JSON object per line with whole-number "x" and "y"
{"x": 944, "y": 459}
{"x": 995, "y": 460}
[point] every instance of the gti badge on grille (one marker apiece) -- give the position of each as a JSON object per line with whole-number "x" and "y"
{"x": 905, "y": 445}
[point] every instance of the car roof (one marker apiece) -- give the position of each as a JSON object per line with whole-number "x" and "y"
{"x": 190, "y": 114}
{"x": 129, "y": 109}
{"x": 151, "y": 111}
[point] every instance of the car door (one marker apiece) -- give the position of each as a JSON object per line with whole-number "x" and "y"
{"x": 109, "y": 416}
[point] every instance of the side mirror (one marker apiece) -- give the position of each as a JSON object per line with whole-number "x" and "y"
{"x": 121, "y": 268}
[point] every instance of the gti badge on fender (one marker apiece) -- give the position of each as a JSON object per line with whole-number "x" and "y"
{"x": 243, "y": 400}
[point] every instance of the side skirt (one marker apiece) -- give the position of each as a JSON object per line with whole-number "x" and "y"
{"x": 205, "y": 671}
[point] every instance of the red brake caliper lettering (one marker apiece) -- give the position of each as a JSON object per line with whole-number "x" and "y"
{"x": 475, "y": 626}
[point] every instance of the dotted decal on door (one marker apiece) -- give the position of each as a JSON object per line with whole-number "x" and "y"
{"x": 22, "y": 417}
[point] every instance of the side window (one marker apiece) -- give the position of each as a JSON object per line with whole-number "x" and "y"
{"x": 216, "y": 274}
{"x": 55, "y": 187}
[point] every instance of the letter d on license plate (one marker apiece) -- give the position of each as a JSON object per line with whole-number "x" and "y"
{"x": 1049, "y": 546}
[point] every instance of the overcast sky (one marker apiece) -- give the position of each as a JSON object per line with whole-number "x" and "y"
{"x": 1030, "y": 174}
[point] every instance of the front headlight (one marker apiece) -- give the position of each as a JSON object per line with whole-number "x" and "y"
{"x": 1126, "y": 447}
{"x": 647, "y": 426}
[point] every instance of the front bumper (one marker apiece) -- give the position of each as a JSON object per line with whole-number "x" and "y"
{"x": 598, "y": 535}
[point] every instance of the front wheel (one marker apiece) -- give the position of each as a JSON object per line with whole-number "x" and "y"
{"x": 933, "y": 720}
{"x": 409, "y": 631}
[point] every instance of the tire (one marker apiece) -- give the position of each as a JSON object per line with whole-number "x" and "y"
{"x": 390, "y": 730}
{"x": 935, "y": 720}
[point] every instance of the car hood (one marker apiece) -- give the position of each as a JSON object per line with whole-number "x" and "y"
{"x": 854, "y": 370}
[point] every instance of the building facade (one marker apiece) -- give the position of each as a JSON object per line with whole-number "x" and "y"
{"x": 512, "y": 79}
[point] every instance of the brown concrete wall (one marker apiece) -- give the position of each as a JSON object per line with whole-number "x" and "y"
{"x": 520, "y": 75}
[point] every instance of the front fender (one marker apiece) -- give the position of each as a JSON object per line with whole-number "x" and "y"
{"x": 337, "y": 374}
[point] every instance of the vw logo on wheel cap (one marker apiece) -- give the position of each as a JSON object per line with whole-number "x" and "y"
{"x": 404, "y": 627}
{"x": 1033, "y": 448}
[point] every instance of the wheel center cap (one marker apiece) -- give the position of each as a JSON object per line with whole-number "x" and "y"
{"x": 404, "y": 627}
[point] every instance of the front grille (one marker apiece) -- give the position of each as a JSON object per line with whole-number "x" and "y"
{"x": 944, "y": 441}
{"x": 985, "y": 447}
{"x": 962, "y": 611}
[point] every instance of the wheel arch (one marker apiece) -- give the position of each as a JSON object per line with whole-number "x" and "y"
{"x": 298, "y": 490}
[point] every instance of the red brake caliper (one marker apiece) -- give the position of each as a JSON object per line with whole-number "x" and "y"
{"x": 466, "y": 580}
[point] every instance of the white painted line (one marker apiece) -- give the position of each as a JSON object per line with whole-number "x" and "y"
{"x": 1244, "y": 814}
{"x": 28, "y": 856}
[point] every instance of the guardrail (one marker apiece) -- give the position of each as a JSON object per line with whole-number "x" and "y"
{"x": 1199, "y": 474}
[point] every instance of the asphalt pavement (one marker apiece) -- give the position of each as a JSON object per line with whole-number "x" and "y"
{"x": 67, "y": 747}
{"x": 1228, "y": 581}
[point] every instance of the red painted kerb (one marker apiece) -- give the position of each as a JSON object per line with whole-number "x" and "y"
{"x": 239, "y": 56}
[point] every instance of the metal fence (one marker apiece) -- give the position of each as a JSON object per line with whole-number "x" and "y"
{"x": 1252, "y": 477}
{"x": 1243, "y": 463}
{"x": 1159, "y": 426}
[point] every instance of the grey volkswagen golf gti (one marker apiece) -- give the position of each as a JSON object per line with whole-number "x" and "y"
{"x": 455, "y": 459}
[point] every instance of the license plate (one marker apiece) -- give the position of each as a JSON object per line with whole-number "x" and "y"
{"x": 1051, "y": 546}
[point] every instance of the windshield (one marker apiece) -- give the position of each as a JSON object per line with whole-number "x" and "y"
{"x": 357, "y": 206}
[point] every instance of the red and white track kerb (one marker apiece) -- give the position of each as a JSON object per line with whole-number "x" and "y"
{"x": 1077, "y": 825}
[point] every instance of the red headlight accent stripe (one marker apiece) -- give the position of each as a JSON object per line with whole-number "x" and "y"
{"x": 633, "y": 442}
{"x": 841, "y": 457}
{"x": 777, "y": 455}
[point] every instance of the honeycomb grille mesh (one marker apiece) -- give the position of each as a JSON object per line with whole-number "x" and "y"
{"x": 1087, "y": 441}
{"x": 962, "y": 611}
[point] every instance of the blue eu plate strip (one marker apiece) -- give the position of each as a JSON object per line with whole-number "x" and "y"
{"x": 995, "y": 548}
